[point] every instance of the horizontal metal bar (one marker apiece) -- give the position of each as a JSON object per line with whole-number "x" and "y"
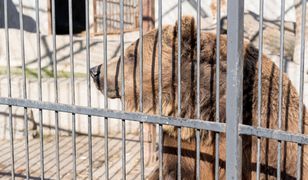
{"x": 140, "y": 117}
{"x": 174, "y": 121}
{"x": 273, "y": 134}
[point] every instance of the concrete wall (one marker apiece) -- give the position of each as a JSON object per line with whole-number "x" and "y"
{"x": 169, "y": 11}
{"x": 62, "y": 49}
{"x": 189, "y": 7}
{"x": 29, "y": 16}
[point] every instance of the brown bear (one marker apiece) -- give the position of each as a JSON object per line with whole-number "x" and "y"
{"x": 270, "y": 89}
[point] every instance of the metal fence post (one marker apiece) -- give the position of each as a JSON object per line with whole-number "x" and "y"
{"x": 234, "y": 88}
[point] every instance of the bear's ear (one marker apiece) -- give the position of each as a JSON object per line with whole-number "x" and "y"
{"x": 188, "y": 28}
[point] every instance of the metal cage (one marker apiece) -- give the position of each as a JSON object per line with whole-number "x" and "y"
{"x": 233, "y": 129}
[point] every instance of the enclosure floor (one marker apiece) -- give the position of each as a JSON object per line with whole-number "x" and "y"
{"x": 66, "y": 160}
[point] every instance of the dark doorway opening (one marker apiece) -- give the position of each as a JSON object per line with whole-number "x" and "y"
{"x": 62, "y": 16}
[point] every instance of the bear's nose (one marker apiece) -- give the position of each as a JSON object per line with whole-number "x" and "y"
{"x": 94, "y": 71}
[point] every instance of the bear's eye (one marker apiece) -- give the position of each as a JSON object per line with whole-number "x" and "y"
{"x": 131, "y": 57}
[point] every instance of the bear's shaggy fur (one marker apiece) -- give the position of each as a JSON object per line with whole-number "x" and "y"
{"x": 269, "y": 109}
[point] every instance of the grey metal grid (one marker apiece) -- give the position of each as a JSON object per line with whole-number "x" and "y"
{"x": 233, "y": 128}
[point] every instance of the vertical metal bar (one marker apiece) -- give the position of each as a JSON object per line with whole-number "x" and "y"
{"x": 160, "y": 148}
{"x": 90, "y": 176}
{"x": 179, "y": 54}
{"x": 12, "y": 144}
{"x": 198, "y": 154}
{"x": 141, "y": 54}
{"x": 123, "y": 150}
{"x": 281, "y": 67}
{"x": 198, "y": 90}
{"x": 160, "y": 85}
{"x": 7, "y": 48}
{"x": 38, "y": 38}
{"x": 179, "y": 83}
{"x": 198, "y": 59}
{"x": 123, "y": 89}
{"x": 130, "y": 12}
{"x": 179, "y": 153}
{"x": 217, "y": 118}
{"x": 113, "y": 18}
{"x": 55, "y": 74}
{"x": 260, "y": 84}
{"x": 234, "y": 88}
{"x": 141, "y": 151}
{"x": 141, "y": 87}
{"x": 22, "y": 43}
{"x": 301, "y": 90}
{"x": 160, "y": 56}
{"x": 70, "y": 17}
{"x": 95, "y": 15}
{"x": 105, "y": 90}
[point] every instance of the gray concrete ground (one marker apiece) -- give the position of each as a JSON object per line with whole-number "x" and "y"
{"x": 66, "y": 161}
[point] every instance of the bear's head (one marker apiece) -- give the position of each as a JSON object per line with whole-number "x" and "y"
{"x": 150, "y": 60}
{"x": 169, "y": 74}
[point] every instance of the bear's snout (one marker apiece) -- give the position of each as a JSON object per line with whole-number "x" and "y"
{"x": 98, "y": 76}
{"x": 95, "y": 74}
{"x": 95, "y": 71}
